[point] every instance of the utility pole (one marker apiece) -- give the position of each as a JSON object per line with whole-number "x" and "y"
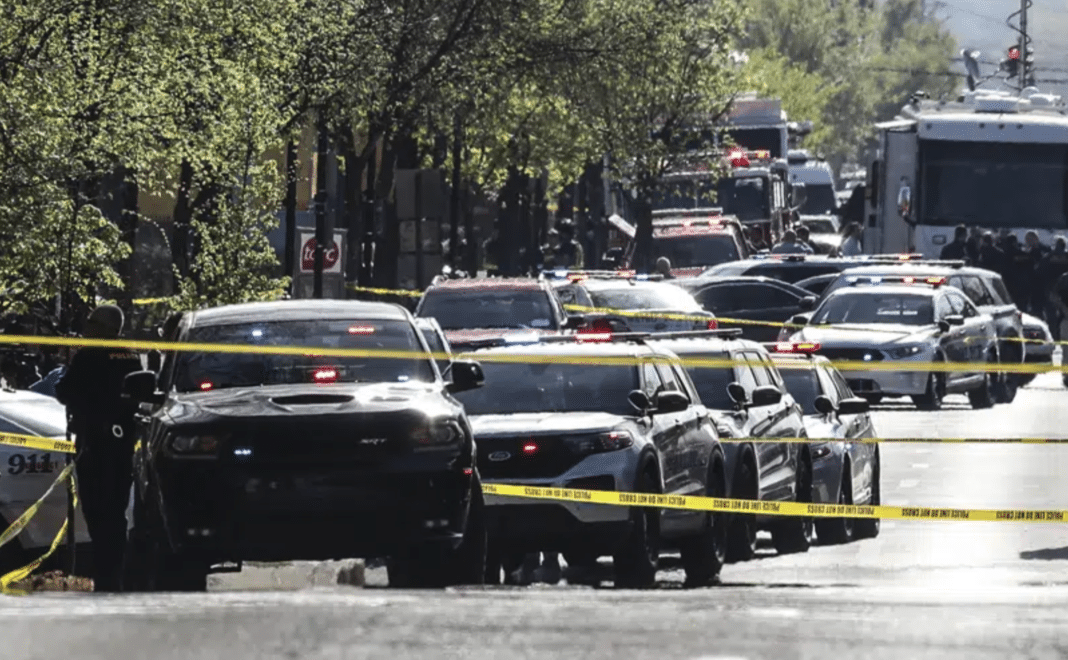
{"x": 1024, "y": 73}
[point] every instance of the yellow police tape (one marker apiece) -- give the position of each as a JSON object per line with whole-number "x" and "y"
{"x": 15, "y": 528}
{"x": 801, "y": 509}
{"x": 24, "y": 572}
{"x": 35, "y": 442}
{"x": 516, "y": 357}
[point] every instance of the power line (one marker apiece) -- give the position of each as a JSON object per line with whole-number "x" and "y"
{"x": 946, "y": 74}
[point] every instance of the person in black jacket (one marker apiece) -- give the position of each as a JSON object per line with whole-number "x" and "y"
{"x": 958, "y": 249}
{"x": 103, "y": 426}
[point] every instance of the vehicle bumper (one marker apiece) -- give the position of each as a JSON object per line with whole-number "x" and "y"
{"x": 539, "y": 524}
{"x": 887, "y": 383}
{"x": 222, "y": 512}
{"x": 1039, "y": 353}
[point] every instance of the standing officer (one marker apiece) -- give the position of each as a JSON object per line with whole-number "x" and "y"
{"x": 103, "y": 425}
{"x": 1049, "y": 271}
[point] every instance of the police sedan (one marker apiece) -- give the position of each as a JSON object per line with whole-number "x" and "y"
{"x": 907, "y": 320}
{"x": 843, "y": 472}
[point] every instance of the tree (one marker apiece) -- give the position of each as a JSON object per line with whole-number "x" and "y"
{"x": 665, "y": 77}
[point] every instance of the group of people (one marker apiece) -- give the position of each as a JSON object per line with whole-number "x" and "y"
{"x": 1035, "y": 274}
{"x": 799, "y": 241}
{"x": 561, "y": 250}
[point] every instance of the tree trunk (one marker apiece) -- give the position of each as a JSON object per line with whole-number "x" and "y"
{"x": 127, "y": 222}
{"x": 643, "y": 214}
{"x": 387, "y": 237}
{"x": 292, "y": 170}
{"x": 354, "y": 222}
{"x": 183, "y": 217}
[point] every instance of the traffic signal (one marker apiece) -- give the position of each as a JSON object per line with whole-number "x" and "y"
{"x": 1011, "y": 64}
{"x": 1029, "y": 65}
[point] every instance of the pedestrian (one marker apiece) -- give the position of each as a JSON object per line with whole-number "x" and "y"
{"x": 491, "y": 252}
{"x": 991, "y": 257}
{"x": 851, "y": 246}
{"x": 1017, "y": 272}
{"x": 1058, "y": 296}
{"x": 789, "y": 245}
{"x": 957, "y": 250}
{"x": 103, "y": 426}
{"x": 804, "y": 237}
{"x": 663, "y": 267}
{"x": 569, "y": 253}
{"x": 975, "y": 240}
{"x": 1049, "y": 271}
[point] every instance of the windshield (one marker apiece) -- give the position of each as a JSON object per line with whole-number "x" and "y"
{"x": 745, "y": 197}
{"x": 869, "y": 306}
{"x": 689, "y": 250}
{"x": 758, "y": 139}
{"x": 712, "y": 386}
{"x": 804, "y": 386}
{"x": 995, "y": 184}
{"x": 685, "y": 193}
{"x": 819, "y": 199}
{"x": 561, "y": 387}
{"x": 821, "y": 226}
{"x": 461, "y": 310}
{"x": 646, "y": 297}
{"x": 203, "y": 371}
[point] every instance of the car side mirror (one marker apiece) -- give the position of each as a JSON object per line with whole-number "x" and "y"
{"x": 737, "y": 394}
{"x": 671, "y": 402}
{"x": 807, "y": 303}
{"x": 466, "y": 375}
{"x": 768, "y": 395}
{"x": 640, "y": 401}
{"x": 823, "y": 405}
{"x": 854, "y": 406}
{"x": 140, "y": 387}
{"x": 574, "y": 321}
{"x": 799, "y": 195}
{"x": 800, "y": 319}
{"x": 955, "y": 319}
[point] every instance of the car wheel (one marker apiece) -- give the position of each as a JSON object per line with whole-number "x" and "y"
{"x": 796, "y": 533}
{"x": 742, "y": 540}
{"x": 983, "y": 396}
{"x": 636, "y": 562}
{"x": 150, "y": 565}
{"x": 868, "y": 528}
{"x": 704, "y": 555}
{"x": 931, "y": 399}
{"x": 436, "y": 568}
{"x": 837, "y": 531}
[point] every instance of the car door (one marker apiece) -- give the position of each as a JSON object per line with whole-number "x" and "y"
{"x": 672, "y": 448}
{"x": 862, "y": 454}
{"x": 976, "y": 327}
{"x": 767, "y": 302}
{"x": 718, "y": 299}
{"x": 776, "y": 458}
{"x": 952, "y": 341}
{"x": 661, "y": 431}
{"x": 694, "y": 442}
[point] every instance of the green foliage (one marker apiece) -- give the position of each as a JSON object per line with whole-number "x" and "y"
{"x": 862, "y": 63}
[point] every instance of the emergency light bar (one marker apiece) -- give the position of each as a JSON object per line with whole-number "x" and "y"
{"x": 688, "y": 213}
{"x": 794, "y": 347}
{"x": 897, "y": 279}
{"x": 601, "y": 332}
{"x": 583, "y": 275}
{"x": 743, "y": 158}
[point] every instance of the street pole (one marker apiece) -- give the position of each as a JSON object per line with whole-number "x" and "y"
{"x": 66, "y": 325}
{"x": 1023, "y": 43}
{"x": 321, "y": 237}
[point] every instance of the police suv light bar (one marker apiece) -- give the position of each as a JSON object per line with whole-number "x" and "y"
{"x": 688, "y": 213}
{"x": 897, "y": 279}
{"x": 805, "y": 347}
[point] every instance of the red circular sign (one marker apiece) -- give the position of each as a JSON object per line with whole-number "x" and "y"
{"x": 307, "y": 255}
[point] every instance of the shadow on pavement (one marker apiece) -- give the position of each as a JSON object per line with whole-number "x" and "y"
{"x": 1046, "y": 554}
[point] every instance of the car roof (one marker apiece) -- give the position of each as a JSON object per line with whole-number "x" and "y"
{"x": 625, "y": 284}
{"x": 707, "y": 345}
{"x": 917, "y": 268}
{"x": 698, "y": 283}
{"x": 608, "y": 349}
{"x": 294, "y": 310}
{"x": 490, "y": 284}
{"x": 902, "y": 289}
{"x": 811, "y": 358}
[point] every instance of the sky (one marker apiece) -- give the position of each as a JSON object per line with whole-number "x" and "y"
{"x": 980, "y": 24}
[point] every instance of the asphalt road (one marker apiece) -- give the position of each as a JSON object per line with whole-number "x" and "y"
{"x": 946, "y": 590}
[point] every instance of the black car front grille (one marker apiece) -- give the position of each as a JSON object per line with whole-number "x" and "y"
{"x": 851, "y": 354}
{"x": 525, "y": 457}
{"x": 339, "y": 442}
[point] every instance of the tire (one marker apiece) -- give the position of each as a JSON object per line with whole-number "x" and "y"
{"x": 635, "y": 563}
{"x": 983, "y": 396}
{"x": 839, "y": 531}
{"x": 931, "y": 399}
{"x": 742, "y": 538}
{"x": 868, "y": 528}
{"x": 704, "y": 555}
{"x": 1007, "y": 384}
{"x": 797, "y": 532}
{"x": 437, "y": 568}
{"x": 150, "y": 564}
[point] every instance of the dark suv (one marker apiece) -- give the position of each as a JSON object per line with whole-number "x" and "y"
{"x": 747, "y": 398}
{"x": 303, "y": 455}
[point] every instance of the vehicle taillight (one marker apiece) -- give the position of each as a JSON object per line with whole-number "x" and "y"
{"x": 206, "y": 385}
{"x": 325, "y": 375}
{"x": 361, "y": 330}
{"x": 796, "y": 347}
{"x": 530, "y": 448}
{"x": 597, "y": 330}
{"x": 713, "y": 324}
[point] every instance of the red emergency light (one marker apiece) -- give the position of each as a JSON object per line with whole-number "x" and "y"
{"x": 599, "y": 330}
{"x": 361, "y": 330}
{"x": 738, "y": 158}
{"x": 713, "y": 324}
{"x": 325, "y": 375}
{"x": 629, "y": 274}
{"x": 576, "y": 277}
{"x": 530, "y": 448}
{"x": 796, "y": 347}
{"x": 206, "y": 385}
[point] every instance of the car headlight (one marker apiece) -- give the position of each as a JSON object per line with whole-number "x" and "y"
{"x": 190, "y": 445}
{"x": 601, "y": 442}
{"x": 438, "y": 434}
{"x": 905, "y": 351}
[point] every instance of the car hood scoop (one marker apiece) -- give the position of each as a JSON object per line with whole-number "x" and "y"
{"x": 312, "y": 399}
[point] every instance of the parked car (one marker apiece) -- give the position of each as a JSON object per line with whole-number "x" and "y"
{"x": 845, "y": 469}
{"x": 764, "y": 302}
{"x": 1040, "y": 345}
{"x": 436, "y": 341}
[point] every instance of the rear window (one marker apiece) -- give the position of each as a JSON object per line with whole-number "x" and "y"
{"x": 804, "y": 386}
{"x": 469, "y": 309}
{"x": 645, "y": 297}
{"x": 712, "y": 384}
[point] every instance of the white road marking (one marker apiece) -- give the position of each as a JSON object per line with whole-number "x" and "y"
{"x": 775, "y": 612}
{"x": 923, "y": 451}
{"x": 909, "y": 483}
{"x": 920, "y": 466}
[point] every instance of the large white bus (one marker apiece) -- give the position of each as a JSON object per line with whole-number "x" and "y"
{"x": 990, "y": 159}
